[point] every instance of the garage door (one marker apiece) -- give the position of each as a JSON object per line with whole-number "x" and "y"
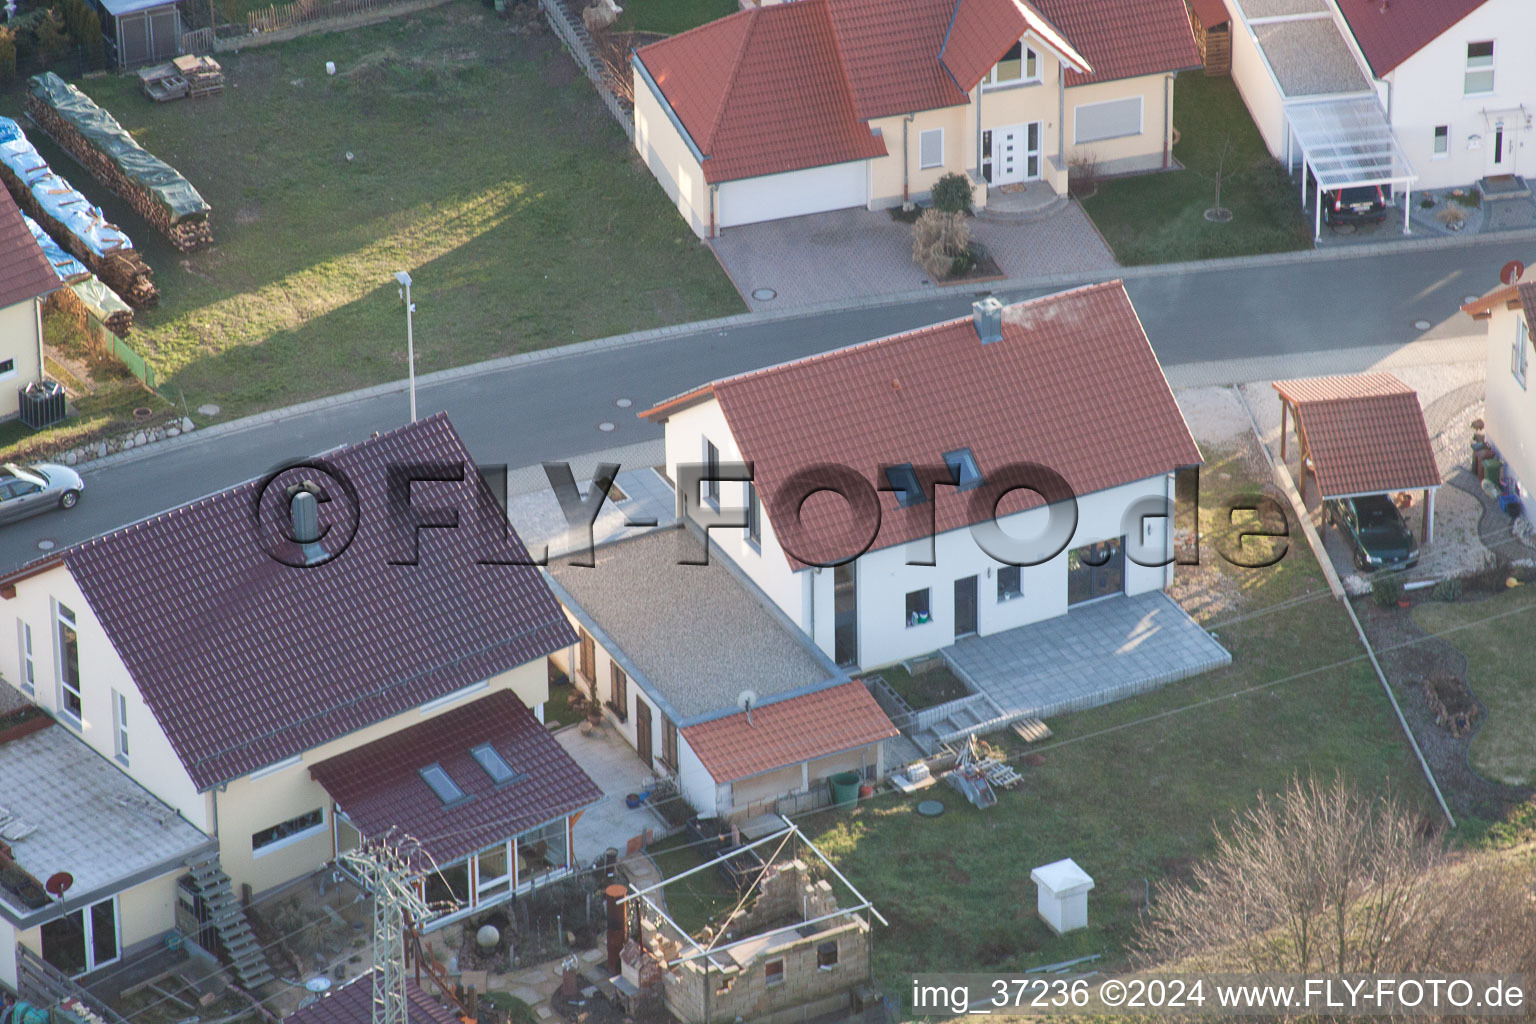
{"x": 794, "y": 194}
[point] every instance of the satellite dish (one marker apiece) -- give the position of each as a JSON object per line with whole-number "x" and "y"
{"x": 1512, "y": 271}
{"x": 58, "y": 884}
{"x": 746, "y": 700}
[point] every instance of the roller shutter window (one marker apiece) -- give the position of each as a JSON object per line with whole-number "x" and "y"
{"x": 1114, "y": 119}
{"x": 930, "y": 148}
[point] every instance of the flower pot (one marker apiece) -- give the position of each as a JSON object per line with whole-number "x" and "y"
{"x": 866, "y": 791}
{"x": 632, "y": 800}
{"x": 585, "y": 727}
{"x": 1403, "y": 602}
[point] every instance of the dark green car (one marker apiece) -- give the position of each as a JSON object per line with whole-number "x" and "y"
{"x": 1375, "y": 532}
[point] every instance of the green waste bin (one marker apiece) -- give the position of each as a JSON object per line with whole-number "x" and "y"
{"x": 1491, "y": 468}
{"x": 845, "y": 788}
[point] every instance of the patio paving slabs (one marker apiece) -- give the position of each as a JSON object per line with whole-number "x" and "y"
{"x": 617, "y": 769}
{"x": 1096, "y": 653}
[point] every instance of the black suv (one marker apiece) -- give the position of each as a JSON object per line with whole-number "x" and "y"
{"x": 1374, "y": 530}
{"x": 1363, "y": 204}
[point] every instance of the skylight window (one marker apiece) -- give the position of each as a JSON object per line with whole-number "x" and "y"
{"x": 439, "y": 781}
{"x": 903, "y": 480}
{"x": 962, "y": 468}
{"x": 494, "y": 764}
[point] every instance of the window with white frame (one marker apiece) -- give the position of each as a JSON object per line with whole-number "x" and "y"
{"x": 1519, "y": 357}
{"x": 754, "y": 517}
{"x": 493, "y": 872}
{"x": 68, "y": 637}
{"x": 1442, "y": 140}
{"x": 82, "y": 941}
{"x": 1020, "y": 64}
{"x": 919, "y": 608}
{"x": 930, "y": 148}
{"x": 28, "y": 662}
{"x": 286, "y": 832}
{"x": 120, "y": 726}
{"x": 711, "y": 473}
{"x": 1111, "y": 119}
{"x": 1479, "y": 77}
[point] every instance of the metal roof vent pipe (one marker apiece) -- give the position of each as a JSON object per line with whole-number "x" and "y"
{"x": 987, "y": 314}
{"x": 304, "y": 518}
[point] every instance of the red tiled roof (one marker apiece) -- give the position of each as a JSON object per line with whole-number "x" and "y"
{"x": 25, "y": 272}
{"x": 1365, "y": 432}
{"x": 789, "y": 731}
{"x": 1521, "y": 294}
{"x": 1126, "y": 38}
{"x": 1391, "y": 31}
{"x": 1073, "y": 385}
{"x": 379, "y": 785}
{"x": 352, "y": 1003}
{"x": 245, "y": 661}
{"x": 762, "y": 91}
{"x": 889, "y": 50}
{"x": 1211, "y": 12}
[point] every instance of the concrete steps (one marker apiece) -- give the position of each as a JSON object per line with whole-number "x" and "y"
{"x": 230, "y": 923}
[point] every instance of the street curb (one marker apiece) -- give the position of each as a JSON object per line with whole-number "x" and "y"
{"x": 723, "y": 324}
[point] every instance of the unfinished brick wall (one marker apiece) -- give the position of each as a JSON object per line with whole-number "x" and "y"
{"x": 803, "y": 987}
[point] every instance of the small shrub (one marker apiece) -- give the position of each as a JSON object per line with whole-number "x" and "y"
{"x": 7, "y": 55}
{"x": 1386, "y": 593}
{"x": 1469, "y": 198}
{"x": 962, "y": 264}
{"x": 938, "y": 239}
{"x": 1448, "y": 589}
{"x": 952, "y": 193}
{"x": 1083, "y": 174}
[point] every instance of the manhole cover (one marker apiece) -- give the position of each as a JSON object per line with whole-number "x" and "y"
{"x": 1422, "y": 325}
{"x": 46, "y": 544}
{"x": 605, "y": 426}
{"x": 623, "y": 403}
{"x": 1465, "y": 299}
{"x": 209, "y": 410}
{"x": 930, "y": 808}
{"x": 764, "y": 294}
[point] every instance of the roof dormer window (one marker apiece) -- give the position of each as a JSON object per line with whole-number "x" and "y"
{"x": 1019, "y": 64}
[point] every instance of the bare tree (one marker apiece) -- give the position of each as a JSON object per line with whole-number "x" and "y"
{"x": 1324, "y": 879}
{"x": 1217, "y": 212}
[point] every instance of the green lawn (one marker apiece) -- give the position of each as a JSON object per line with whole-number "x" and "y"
{"x": 693, "y": 901}
{"x": 1495, "y": 635}
{"x": 1159, "y": 218}
{"x": 925, "y": 689}
{"x": 481, "y": 161}
{"x": 671, "y": 16}
{"x": 1131, "y": 791}
{"x": 557, "y": 710}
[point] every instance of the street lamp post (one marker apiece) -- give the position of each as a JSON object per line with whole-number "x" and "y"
{"x": 410, "y": 338}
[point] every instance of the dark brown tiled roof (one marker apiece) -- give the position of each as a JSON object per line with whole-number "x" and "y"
{"x": 1073, "y": 385}
{"x": 1391, "y": 31}
{"x": 789, "y": 731}
{"x": 245, "y": 661}
{"x": 1125, "y": 38}
{"x": 1365, "y": 432}
{"x": 379, "y": 785}
{"x": 25, "y": 272}
{"x": 352, "y": 1003}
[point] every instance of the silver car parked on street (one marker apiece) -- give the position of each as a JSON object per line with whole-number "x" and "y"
{"x": 28, "y": 490}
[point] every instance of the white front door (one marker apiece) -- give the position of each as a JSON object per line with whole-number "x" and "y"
{"x": 1011, "y": 153}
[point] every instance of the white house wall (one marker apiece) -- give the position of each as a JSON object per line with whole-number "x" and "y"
{"x": 1260, "y": 92}
{"x": 696, "y": 785}
{"x": 1428, "y": 90}
{"x": 884, "y": 579}
{"x": 152, "y": 762}
{"x": 1510, "y": 412}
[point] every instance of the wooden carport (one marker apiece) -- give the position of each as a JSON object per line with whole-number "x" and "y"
{"x": 1359, "y": 435}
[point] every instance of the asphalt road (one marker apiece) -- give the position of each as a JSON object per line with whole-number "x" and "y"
{"x": 552, "y": 408}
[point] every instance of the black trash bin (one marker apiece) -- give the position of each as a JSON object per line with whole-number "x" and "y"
{"x": 42, "y": 404}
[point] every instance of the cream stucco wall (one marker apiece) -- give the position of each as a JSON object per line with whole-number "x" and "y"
{"x": 665, "y": 152}
{"x": 258, "y": 801}
{"x": 145, "y": 913}
{"x": 241, "y": 807}
{"x": 21, "y": 341}
{"x": 1141, "y": 152}
{"x": 1260, "y": 92}
{"x": 1510, "y": 412}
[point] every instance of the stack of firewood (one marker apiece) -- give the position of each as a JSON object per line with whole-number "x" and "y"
{"x": 119, "y": 322}
{"x": 186, "y": 232}
{"x": 122, "y": 270}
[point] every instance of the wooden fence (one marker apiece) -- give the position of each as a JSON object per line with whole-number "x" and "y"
{"x": 574, "y": 34}
{"x": 280, "y": 16}
{"x": 197, "y": 41}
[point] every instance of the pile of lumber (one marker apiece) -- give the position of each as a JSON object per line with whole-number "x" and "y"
{"x": 83, "y": 296}
{"x": 92, "y": 136}
{"x": 121, "y": 269}
{"x": 203, "y": 75}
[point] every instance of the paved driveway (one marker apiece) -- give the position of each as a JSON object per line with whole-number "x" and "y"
{"x": 850, "y": 254}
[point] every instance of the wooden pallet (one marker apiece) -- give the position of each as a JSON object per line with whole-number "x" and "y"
{"x": 1000, "y": 775}
{"x": 1032, "y": 730}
